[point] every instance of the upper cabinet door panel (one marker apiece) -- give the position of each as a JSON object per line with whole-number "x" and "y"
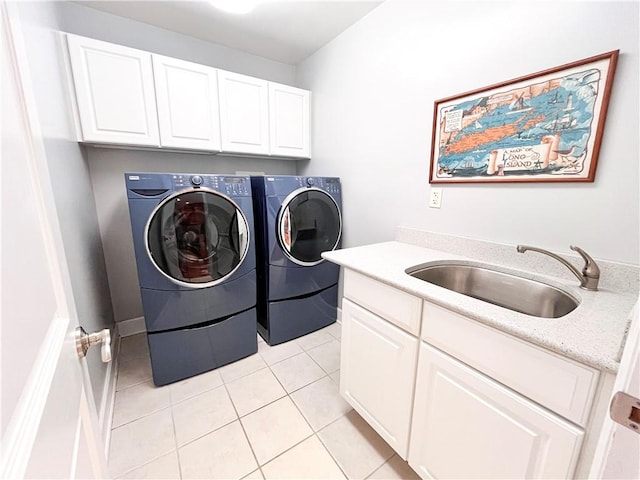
{"x": 289, "y": 121}
{"x": 114, "y": 91}
{"x": 187, "y": 96}
{"x": 244, "y": 114}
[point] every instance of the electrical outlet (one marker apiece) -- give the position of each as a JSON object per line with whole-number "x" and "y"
{"x": 436, "y": 198}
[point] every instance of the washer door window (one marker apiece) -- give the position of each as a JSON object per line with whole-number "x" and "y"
{"x": 309, "y": 223}
{"x": 197, "y": 238}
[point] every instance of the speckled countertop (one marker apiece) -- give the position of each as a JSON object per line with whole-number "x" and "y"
{"x": 592, "y": 334}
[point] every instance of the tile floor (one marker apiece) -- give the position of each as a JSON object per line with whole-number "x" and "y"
{"x": 275, "y": 414}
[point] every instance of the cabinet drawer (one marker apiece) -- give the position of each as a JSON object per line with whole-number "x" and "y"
{"x": 396, "y": 306}
{"x": 563, "y": 386}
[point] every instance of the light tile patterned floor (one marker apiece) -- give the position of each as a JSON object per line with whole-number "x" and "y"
{"x": 275, "y": 414}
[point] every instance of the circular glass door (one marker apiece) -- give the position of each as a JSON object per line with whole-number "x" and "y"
{"x": 309, "y": 223}
{"x": 197, "y": 238}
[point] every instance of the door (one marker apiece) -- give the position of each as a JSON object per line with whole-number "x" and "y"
{"x": 197, "y": 238}
{"x": 187, "y": 97}
{"x": 618, "y": 451}
{"x": 378, "y": 364}
{"x": 308, "y": 223}
{"x": 244, "y": 114}
{"x": 288, "y": 121}
{"x": 465, "y": 425}
{"x": 49, "y": 421}
{"x": 114, "y": 92}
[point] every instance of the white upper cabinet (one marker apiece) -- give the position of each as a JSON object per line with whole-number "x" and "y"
{"x": 187, "y": 97}
{"x": 288, "y": 121}
{"x": 114, "y": 91}
{"x": 244, "y": 113}
{"x": 126, "y": 96}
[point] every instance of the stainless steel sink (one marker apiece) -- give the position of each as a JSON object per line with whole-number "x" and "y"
{"x": 503, "y": 289}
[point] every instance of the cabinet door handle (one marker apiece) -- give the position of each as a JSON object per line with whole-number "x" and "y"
{"x": 625, "y": 410}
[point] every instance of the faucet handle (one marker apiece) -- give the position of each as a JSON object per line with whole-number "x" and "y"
{"x": 590, "y": 269}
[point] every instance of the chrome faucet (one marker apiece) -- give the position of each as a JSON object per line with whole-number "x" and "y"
{"x": 590, "y": 274}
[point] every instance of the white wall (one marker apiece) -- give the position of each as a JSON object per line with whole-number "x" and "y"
{"x": 374, "y": 88}
{"x": 93, "y": 23}
{"x": 70, "y": 179}
{"x": 107, "y": 166}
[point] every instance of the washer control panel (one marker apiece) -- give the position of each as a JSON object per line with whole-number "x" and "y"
{"x": 232, "y": 185}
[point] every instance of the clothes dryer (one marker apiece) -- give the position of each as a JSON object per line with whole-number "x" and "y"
{"x": 297, "y": 218}
{"x": 195, "y": 256}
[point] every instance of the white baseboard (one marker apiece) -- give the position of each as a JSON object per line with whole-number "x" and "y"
{"x": 126, "y": 328}
{"x": 105, "y": 414}
{"x": 339, "y": 316}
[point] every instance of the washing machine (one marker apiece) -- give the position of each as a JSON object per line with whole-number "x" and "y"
{"x": 195, "y": 254}
{"x": 296, "y": 219}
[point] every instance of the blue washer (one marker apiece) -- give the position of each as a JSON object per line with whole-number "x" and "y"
{"x": 195, "y": 254}
{"x": 296, "y": 219}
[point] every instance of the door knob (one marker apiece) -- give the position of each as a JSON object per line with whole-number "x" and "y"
{"x": 625, "y": 410}
{"x": 84, "y": 340}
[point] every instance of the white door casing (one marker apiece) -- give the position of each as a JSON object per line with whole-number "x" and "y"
{"x": 617, "y": 454}
{"x": 49, "y": 420}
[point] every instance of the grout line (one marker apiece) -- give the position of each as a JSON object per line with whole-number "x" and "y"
{"x": 175, "y": 437}
{"x": 243, "y": 430}
{"x": 239, "y": 418}
{"x": 314, "y": 432}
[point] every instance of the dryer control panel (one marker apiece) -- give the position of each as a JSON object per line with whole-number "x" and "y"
{"x": 330, "y": 184}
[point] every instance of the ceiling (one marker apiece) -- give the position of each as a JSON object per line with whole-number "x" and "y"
{"x": 287, "y": 31}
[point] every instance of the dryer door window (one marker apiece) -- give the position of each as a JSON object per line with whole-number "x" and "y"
{"x": 197, "y": 238}
{"x": 309, "y": 223}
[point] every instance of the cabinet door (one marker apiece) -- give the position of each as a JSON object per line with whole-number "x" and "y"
{"x": 114, "y": 92}
{"x": 288, "y": 121}
{"x": 187, "y": 97}
{"x": 377, "y": 373}
{"x": 465, "y": 425}
{"x": 244, "y": 115}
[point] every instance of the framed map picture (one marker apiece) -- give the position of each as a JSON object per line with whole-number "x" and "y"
{"x": 543, "y": 127}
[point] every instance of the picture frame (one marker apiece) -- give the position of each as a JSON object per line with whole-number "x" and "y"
{"x": 542, "y": 127}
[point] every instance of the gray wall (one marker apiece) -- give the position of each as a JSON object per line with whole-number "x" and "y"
{"x": 107, "y": 166}
{"x": 70, "y": 179}
{"x": 374, "y": 88}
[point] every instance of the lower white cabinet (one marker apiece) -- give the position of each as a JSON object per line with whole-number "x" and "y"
{"x": 464, "y": 400}
{"x": 378, "y": 363}
{"x": 466, "y": 425}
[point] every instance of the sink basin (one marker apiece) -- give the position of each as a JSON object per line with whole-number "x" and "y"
{"x": 503, "y": 289}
